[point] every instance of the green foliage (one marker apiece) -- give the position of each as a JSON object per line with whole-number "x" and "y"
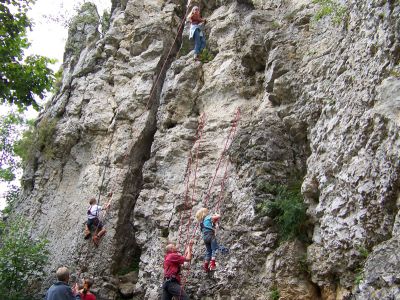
{"x": 331, "y": 8}
{"x": 287, "y": 209}
{"x": 274, "y": 294}
{"x": 22, "y": 259}
{"x": 275, "y": 25}
{"x": 20, "y": 79}
{"x": 9, "y": 133}
{"x": 206, "y": 56}
{"x": 105, "y": 22}
{"x": 57, "y": 80}
{"x": 363, "y": 252}
{"x": 37, "y": 139}
{"x": 359, "y": 277}
{"x": 13, "y": 193}
{"x": 359, "y": 272}
{"x": 394, "y": 73}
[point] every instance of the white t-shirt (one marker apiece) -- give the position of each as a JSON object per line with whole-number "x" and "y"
{"x": 94, "y": 211}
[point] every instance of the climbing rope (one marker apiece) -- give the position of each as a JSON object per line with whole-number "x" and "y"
{"x": 107, "y": 162}
{"x": 199, "y": 135}
{"x": 222, "y": 185}
{"x": 106, "y": 165}
{"x": 153, "y": 89}
{"x": 169, "y": 53}
{"x": 228, "y": 143}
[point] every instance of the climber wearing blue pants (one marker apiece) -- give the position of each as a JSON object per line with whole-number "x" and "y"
{"x": 207, "y": 227}
{"x": 196, "y": 31}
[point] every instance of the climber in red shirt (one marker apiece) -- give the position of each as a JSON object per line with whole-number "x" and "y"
{"x": 196, "y": 31}
{"x": 172, "y": 267}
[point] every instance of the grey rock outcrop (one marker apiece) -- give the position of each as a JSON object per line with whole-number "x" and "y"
{"x": 318, "y": 103}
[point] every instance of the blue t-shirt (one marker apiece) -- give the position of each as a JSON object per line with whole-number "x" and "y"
{"x": 207, "y": 225}
{"x": 60, "y": 291}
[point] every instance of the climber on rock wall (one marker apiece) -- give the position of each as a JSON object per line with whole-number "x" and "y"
{"x": 207, "y": 226}
{"x": 172, "y": 267}
{"x": 93, "y": 223}
{"x": 196, "y": 31}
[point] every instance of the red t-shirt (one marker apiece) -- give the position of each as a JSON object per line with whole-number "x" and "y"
{"x": 87, "y": 296}
{"x": 172, "y": 265}
{"x": 196, "y": 19}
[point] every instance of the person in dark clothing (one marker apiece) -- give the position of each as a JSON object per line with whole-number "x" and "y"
{"x": 172, "y": 266}
{"x": 61, "y": 290}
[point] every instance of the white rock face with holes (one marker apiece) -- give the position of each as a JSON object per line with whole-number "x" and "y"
{"x": 318, "y": 104}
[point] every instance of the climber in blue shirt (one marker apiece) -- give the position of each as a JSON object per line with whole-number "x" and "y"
{"x": 207, "y": 226}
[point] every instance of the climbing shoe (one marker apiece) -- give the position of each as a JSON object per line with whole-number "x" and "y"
{"x": 213, "y": 265}
{"x": 96, "y": 240}
{"x": 205, "y": 267}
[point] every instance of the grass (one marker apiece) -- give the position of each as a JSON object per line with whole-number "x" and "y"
{"x": 363, "y": 252}
{"x": 274, "y": 294}
{"x": 206, "y": 56}
{"x": 359, "y": 272}
{"x": 275, "y": 25}
{"x": 331, "y": 8}
{"x": 286, "y": 207}
{"x": 359, "y": 276}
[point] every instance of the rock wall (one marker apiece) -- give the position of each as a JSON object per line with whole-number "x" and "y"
{"x": 318, "y": 102}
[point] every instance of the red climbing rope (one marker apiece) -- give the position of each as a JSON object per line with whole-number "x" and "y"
{"x": 199, "y": 135}
{"x": 228, "y": 143}
{"x": 237, "y": 117}
{"x": 229, "y": 138}
{"x": 195, "y": 178}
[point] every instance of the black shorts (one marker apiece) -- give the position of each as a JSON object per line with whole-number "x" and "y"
{"x": 94, "y": 223}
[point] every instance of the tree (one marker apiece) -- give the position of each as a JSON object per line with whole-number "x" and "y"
{"x": 20, "y": 79}
{"x": 22, "y": 259}
{"x": 10, "y": 126}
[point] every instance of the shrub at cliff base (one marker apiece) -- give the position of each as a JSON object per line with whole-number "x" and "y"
{"x": 22, "y": 260}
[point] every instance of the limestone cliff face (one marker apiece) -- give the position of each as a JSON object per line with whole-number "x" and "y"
{"x": 318, "y": 102}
